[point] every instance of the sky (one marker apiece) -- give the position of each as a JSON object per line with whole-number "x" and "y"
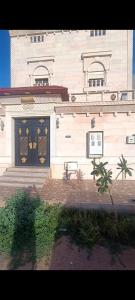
{"x": 5, "y": 58}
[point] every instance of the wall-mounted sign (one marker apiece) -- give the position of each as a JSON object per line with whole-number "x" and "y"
{"x": 95, "y": 143}
{"x": 130, "y": 139}
{"x": 27, "y": 100}
{"x": 71, "y": 165}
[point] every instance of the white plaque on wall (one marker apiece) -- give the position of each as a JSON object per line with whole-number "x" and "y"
{"x": 72, "y": 166}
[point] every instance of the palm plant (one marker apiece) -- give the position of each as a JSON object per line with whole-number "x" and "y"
{"x": 123, "y": 167}
{"x": 104, "y": 182}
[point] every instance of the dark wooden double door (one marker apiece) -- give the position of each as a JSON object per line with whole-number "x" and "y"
{"x": 32, "y": 142}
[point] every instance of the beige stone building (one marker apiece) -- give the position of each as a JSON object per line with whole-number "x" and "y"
{"x": 71, "y": 100}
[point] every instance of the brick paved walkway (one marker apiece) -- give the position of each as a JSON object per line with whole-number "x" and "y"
{"x": 82, "y": 193}
{"x": 69, "y": 257}
{"x": 74, "y": 191}
{"x": 66, "y": 256}
{"x": 85, "y": 194}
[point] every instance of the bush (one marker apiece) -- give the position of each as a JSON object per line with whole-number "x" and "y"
{"x": 46, "y": 227}
{"x": 81, "y": 226}
{"x": 90, "y": 227}
{"x": 27, "y": 224}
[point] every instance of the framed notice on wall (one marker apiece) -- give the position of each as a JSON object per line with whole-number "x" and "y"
{"x": 95, "y": 143}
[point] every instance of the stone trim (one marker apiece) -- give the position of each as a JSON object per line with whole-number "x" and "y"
{"x": 95, "y": 109}
{"x": 15, "y": 33}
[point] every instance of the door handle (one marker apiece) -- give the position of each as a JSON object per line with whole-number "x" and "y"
{"x": 30, "y": 145}
{"x": 34, "y": 145}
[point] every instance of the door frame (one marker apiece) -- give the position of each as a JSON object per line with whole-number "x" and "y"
{"x": 32, "y": 117}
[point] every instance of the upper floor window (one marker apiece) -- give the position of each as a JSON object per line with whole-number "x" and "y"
{"x": 124, "y": 96}
{"x": 96, "y": 75}
{"x": 97, "y": 32}
{"x": 96, "y": 82}
{"x": 37, "y": 38}
{"x": 41, "y": 81}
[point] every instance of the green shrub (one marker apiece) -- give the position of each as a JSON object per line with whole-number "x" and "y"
{"x": 27, "y": 224}
{"x": 81, "y": 226}
{"x": 30, "y": 225}
{"x": 46, "y": 227}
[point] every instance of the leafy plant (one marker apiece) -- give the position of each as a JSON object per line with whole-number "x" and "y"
{"x": 30, "y": 226}
{"x": 27, "y": 228}
{"x": 123, "y": 167}
{"x": 104, "y": 182}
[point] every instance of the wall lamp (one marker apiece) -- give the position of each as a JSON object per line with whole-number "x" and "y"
{"x": 93, "y": 123}
{"x": 1, "y": 125}
{"x": 57, "y": 123}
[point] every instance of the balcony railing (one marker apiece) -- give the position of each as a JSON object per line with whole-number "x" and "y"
{"x": 104, "y": 96}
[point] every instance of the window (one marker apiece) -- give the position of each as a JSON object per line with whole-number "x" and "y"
{"x": 37, "y": 38}
{"x": 41, "y": 81}
{"x": 97, "y": 32}
{"x": 95, "y": 143}
{"x": 96, "y": 82}
{"x": 92, "y": 33}
{"x": 124, "y": 96}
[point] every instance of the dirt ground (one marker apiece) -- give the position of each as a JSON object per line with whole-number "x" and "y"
{"x": 66, "y": 256}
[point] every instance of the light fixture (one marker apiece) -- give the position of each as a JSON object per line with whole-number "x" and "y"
{"x": 93, "y": 123}
{"x": 1, "y": 125}
{"x": 57, "y": 123}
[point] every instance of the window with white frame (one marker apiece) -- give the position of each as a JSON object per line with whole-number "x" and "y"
{"x": 97, "y": 32}
{"x": 95, "y": 143}
{"x": 40, "y": 76}
{"x": 96, "y": 75}
{"x": 37, "y": 38}
{"x": 96, "y": 66}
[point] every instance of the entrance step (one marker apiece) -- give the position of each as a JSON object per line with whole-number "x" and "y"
{"x": 22, "y": 179}
{"x": 25, "y": 174}
{"x": 19, "y": 184}
{"x": 28, "y": 169}
{"x": 25, "y": 177}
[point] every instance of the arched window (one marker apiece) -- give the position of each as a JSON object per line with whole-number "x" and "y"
{"x": 41, "y": 76}
{"x": 96, "y": 75}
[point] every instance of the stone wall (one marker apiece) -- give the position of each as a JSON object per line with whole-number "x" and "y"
{"x": 115, "y": 129}
{"x": 61, "y": 52}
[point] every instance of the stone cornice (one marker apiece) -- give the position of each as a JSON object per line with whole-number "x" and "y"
{"x": 96, "y": 54}
{"x": 15, "y": 33}
{"x": 40, "y": 59}
{"x": 123, "y": 108}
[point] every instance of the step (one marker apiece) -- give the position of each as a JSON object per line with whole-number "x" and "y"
{"x": 28, "y": 169}
{"x": 18, "y": 184}
{"x": 21, "y": 179}
{"x": 25, "y": 174}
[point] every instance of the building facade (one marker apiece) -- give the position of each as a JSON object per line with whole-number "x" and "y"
{"x": 71, "y": 98}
